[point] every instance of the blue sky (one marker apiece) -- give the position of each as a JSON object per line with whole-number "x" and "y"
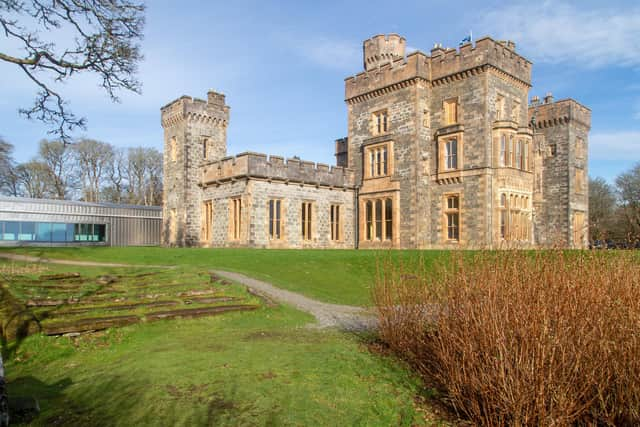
{"x": 282, "y": 66}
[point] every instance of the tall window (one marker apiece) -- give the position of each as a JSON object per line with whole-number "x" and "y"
{"x": 379, "y": 219}
{"x": 335, "y": 222}
{"x": 173, "y": 149}
{"x": 378, "y": 158}
{"x": 307, "y": 208}
{"x": 450, "y": 111}
{"x": 518, "y": 151}
{"x": 525, "y": 156}
{"x": 578, "y": 228}
{"x": 207, "y": 220}
{"x": 500, "y": 113}
{"x": 369, "y": 216}
{"x": 205, "y": 148}
{"x": 452, "y": 214}
{"x": 275, "y": 219}
{"x": 512, "y": 152}
{"x": 451, "y": 153}
{"x": 515, "y": 217}
{"x": 579, "y": 180}
{"x": 503, "y": 150}
{"x": 380, "y": 122}
{"x": 515, "y": 111}
{"x": 503, "y": 216}
{"x": 236, "y": 218}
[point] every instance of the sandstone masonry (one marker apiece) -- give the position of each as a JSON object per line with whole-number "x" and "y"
{"x": 443, "y": 151}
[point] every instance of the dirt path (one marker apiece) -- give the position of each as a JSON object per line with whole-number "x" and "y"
{"x": 328, "y": 315}
{"x": 28, "y": 258}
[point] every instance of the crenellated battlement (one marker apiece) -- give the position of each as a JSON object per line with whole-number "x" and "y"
{"x": 442, "y": 65}
{"x": 382, "y": 49}
{"x": 486, "y": 52}
{"x": 392, "y": 75}
{"x": 277, "y": 168}
{"x": 549, "y": 113}
{"x": 212, "y": 111}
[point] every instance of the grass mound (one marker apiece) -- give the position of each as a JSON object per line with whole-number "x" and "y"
{"x": 518, "y": 338}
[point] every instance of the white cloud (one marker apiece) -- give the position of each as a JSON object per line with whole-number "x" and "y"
{"x": 622, "y": 145}
{"x": 560, "y": 32}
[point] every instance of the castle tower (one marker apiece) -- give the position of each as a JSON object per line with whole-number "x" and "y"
{"x": 195, "y": 132}
{"x": 561, "y": 190}
{"x": 383, "y": 49}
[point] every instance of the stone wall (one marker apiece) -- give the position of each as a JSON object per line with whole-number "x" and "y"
{"x": 255, "y": 195}
{"x": 198, "y": 128}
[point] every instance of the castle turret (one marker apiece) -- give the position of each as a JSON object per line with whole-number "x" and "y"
{"x": 383, "y": 49}
{"x": 195, "y": 132}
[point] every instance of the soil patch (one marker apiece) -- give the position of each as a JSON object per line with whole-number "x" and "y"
{"x": 198, "y": 312}
{"x": 209, "y": 300}
{"x": 60, "y": 276}
{"x": 115, "y": 307}
{"x": 92, "y": 324}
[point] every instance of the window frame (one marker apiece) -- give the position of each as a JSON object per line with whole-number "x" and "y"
{"x": 306, "y": 220}
{"x": 380, "y": 122}
{"x": 206, "y": 221}
{"x": 235, "y": 218}
{"x": 450, "y": 111}
{"x": 275, "y": 226}
{"x": 452, "y": 209}
{"x": 378, "y": 226}
{"x": 335, "y": 222}
{"x": 379, "y": 160}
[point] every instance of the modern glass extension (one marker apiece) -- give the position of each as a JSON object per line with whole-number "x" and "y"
{"x": 51, "y": 232}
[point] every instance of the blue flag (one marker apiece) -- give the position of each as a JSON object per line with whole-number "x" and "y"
{"x": 466, "y": 39}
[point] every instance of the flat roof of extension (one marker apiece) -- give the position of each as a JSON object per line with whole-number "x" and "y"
{"x": 77, "y": 203}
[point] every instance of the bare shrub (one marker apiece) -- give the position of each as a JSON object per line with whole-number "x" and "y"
{"x": 521, "y": 338}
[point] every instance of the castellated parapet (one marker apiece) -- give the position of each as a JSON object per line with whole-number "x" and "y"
{"x": 212, "y": 111}
{"x": 276, "y": 168}
{"x": 443, "y": 66}
{"x": 551, "y": 113}
{"x": 383, "y": 49}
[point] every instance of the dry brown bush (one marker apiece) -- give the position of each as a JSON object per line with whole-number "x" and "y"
{"x": 521, "y": 338}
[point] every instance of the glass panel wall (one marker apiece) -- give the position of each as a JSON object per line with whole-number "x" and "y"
{"x": 52, "y": 232}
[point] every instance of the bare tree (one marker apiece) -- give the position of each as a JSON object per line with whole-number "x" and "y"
{"x": 34, "y": 179}
{"x": 116, "y": 185}
{"x": 602, "y": 209}
{"x": 94, "y": 159}
{"x": 628, "y": 185}
{"x": 58, "y": 157}
{"x": 102, "y": 37}
{"x": 144, "y": 176}
{"x": 8, "y": 183}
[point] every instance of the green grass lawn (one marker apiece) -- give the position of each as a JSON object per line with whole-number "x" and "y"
{"x": 255, "y": 368}
{"x": 336, "y": 276}
{"x": 270, "y": 366}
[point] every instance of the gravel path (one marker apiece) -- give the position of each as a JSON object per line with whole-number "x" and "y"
{"x": 328, "y": 315}
{"x": 28, "y": 258}
{"x": 344, "y": 317}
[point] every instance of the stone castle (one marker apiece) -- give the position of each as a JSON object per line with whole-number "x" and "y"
{"x": 443, "y": 151}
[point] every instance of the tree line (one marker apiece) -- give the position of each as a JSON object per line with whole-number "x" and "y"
{"x": 87, "y": 170}
{"x": 614, "y": 210}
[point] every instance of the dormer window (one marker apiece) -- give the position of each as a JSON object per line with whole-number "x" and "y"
{"x": 380, "y": 122}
